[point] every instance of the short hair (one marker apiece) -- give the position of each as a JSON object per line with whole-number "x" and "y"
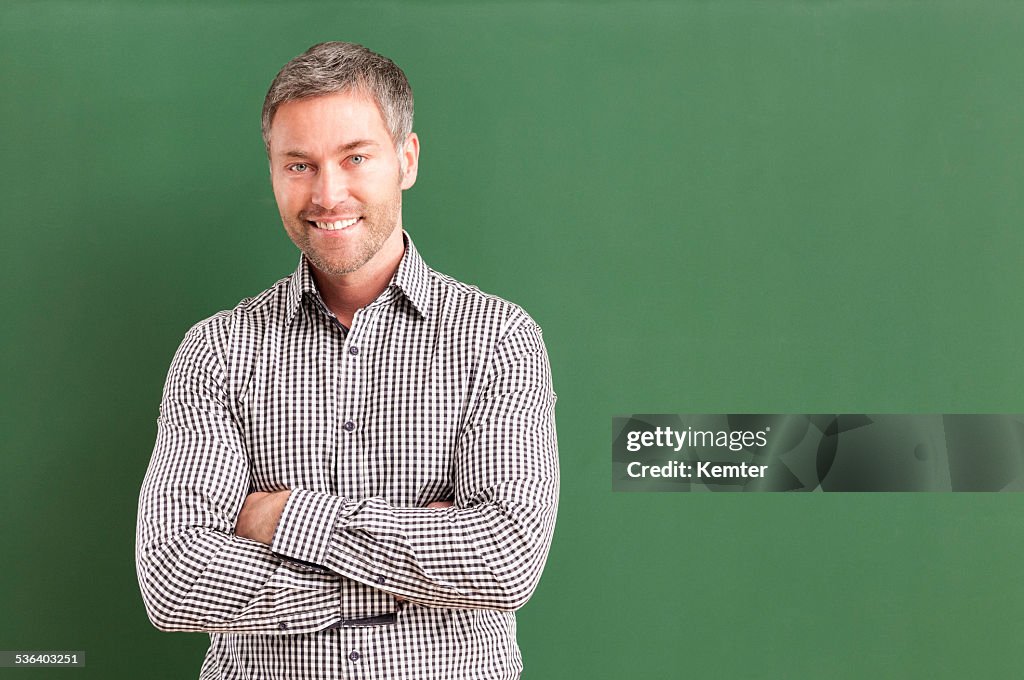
{"x": 333, "y": 67}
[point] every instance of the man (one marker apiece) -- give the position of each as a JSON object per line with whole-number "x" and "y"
{"x": 355, "y": 472}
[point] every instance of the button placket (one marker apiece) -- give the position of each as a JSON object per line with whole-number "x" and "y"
{"x": 354, "y": 372}
{"x": 348, "y": 470}
{"x": 351, "y": 462}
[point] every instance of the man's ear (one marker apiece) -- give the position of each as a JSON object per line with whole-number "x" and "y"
{"x": 409, "y": 158}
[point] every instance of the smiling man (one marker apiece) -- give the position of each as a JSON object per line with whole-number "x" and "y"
{"x": 355, "y": 472}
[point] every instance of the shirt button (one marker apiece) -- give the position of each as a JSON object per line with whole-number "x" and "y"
{"x": 282, "y": 626}
{"x": 380, "y": 580}
{"x": 353, "y": 350}
{"x": 354, "y": 656}
{"x": 349, "y": 426}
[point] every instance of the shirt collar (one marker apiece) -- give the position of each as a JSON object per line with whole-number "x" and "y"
{"x": 411, "y": 279}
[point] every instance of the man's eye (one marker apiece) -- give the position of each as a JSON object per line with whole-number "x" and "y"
{"x": 299, "y": 167}
{"x": 357, "y": 160}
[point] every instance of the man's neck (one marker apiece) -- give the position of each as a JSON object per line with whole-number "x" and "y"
{"x": 347, "y": 293}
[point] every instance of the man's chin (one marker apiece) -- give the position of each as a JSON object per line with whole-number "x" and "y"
{"x": 336, "y": 267}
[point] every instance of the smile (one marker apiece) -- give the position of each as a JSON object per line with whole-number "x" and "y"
{"x": 333, "y": 226}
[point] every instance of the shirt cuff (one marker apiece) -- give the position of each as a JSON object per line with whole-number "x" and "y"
{"x": 304, "y": 531}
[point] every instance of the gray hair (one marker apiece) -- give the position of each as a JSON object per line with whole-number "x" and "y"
{"x": 333, "y": 67}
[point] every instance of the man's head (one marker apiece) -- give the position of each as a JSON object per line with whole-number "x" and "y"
{"x": 333, "y": 67}
{"x": 336, "y": 125}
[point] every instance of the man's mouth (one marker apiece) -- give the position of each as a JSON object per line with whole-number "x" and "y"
{"x": 335, "y": 224}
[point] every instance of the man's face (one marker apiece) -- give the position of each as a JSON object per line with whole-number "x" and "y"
{"x": 338, "y": 180}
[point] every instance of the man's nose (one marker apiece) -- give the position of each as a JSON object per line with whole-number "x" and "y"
{"x": 330, "y": 187}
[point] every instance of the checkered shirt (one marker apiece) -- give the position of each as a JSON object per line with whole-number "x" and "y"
{"x": 437, "y": 392}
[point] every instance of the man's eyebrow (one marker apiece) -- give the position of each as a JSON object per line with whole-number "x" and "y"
{"x": 355, "y": 144}
{"x": 344, "y": 148}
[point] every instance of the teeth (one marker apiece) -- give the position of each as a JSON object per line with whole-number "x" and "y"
{"x": 331, "y": 226}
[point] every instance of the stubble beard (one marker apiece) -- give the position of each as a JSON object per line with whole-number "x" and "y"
{"x": 378, "y": 223}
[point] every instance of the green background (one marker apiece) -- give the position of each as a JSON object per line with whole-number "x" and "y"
{"x": 709, "y": 206}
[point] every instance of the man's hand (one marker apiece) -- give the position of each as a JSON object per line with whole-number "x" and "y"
{"x": 260, "y": 514}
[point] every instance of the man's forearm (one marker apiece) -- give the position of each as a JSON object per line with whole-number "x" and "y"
{"x": 214, "y": 582}
{"x": 488, "y": 556}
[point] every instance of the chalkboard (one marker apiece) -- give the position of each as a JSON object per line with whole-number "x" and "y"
{"x": 710, "y": 207}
